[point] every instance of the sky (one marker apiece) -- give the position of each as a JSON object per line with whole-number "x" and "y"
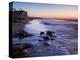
{"x": 48, "y": 10}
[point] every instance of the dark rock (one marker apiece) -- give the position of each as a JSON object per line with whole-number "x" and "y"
{"x": 22, "y": 34}
{"x": 18, "y": 50}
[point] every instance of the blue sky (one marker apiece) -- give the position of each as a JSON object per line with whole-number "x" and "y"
{"x": 48, "y": 10}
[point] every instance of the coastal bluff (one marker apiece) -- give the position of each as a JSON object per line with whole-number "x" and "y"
{"x": 18, "y": 20}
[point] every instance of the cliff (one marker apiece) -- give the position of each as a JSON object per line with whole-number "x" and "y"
{"x": 18, "y": 18}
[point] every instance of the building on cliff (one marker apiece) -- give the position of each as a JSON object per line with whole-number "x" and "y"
{"x": 19, "y": 18}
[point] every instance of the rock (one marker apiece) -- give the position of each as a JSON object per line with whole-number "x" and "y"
{"x": 19, "y": 50}
{"x": 22, "y": 34}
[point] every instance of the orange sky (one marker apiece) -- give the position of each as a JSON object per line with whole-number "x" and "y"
{"x": 48, "y": 10}
{"x": 67, "y": 14}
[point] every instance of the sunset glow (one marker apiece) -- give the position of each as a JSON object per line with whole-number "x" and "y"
{"x": 48, "y": 10}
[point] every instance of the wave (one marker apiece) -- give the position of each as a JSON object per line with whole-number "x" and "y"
{"x": 35, "y": 27}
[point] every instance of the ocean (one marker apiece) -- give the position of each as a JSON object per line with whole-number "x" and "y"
{"x": 65, "y": 43}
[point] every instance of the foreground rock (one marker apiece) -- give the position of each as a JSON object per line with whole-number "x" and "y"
{"x": 20, "y": 50}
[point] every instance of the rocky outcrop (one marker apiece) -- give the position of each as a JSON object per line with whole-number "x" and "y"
{"x": 18, "y": 18}
{"x": 19, "y": 50}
